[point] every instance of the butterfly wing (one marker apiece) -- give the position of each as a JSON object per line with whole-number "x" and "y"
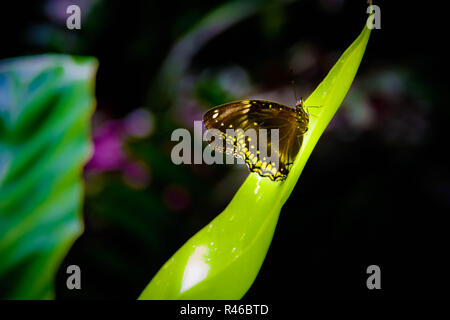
{"x": 243, "y": 115}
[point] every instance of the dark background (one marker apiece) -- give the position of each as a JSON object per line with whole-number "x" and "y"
{"x": 376, "y": 189}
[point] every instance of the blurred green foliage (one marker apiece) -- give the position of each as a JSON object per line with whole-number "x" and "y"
{"x": 177, "y": 59}
{"x": 45, "y": 107}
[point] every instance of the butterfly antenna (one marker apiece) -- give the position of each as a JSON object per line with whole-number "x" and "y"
{"x": 295, "y": 92}
{"x": 291, "y": 72}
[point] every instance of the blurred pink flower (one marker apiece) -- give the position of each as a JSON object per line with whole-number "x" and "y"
{"x": 136, "y": 174}
{"x": 108, "y": 148}
{"x": 110, "y": 138}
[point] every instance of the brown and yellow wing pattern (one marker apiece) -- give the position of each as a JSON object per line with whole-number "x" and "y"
{"x": 265, "y": 157}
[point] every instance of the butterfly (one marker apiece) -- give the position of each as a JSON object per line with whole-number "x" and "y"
{"x": 242, "y": 116}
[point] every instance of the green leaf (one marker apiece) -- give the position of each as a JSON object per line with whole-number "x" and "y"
{"x": 45, "y": 107}
{"x": 223, "y": 259}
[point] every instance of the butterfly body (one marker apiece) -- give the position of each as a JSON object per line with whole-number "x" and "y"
{"x": 247, "y": 115}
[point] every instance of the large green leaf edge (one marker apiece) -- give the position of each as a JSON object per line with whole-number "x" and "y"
{"x": 46, "y": 103}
